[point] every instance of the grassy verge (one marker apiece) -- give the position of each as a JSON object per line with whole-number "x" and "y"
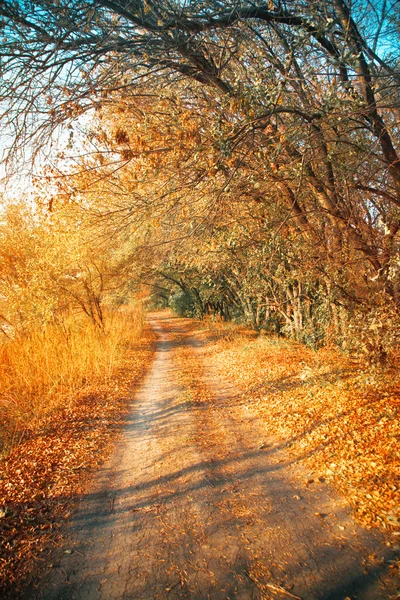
{"x": 42, "y": 371}
{"x": 68, "y": 436}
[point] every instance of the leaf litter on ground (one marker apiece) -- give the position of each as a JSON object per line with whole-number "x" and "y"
{"x": 44, "y": 476}
{"x": 338, "y": 417}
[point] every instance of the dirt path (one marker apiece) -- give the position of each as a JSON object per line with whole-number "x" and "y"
{"x": 196, "y": 503}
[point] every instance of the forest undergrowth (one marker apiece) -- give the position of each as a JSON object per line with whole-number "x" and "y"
{"x": 60, "y": 442}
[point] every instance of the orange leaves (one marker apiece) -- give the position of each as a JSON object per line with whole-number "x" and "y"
{"x": 341, "y": 420}
{"x": 41, "y": 477}
{"x": 121, "y": 137}
{"x": 127, "y": 154}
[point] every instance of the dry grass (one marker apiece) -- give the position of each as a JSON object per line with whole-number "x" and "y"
{"x": 218, "y": 329}
{"x": 42, "y": 478}
{"x": 42, "y": 371}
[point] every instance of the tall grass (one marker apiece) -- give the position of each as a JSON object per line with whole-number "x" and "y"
{"x": 42, "y": 370}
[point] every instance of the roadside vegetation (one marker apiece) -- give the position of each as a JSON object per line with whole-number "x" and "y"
{"x": 73, "y": 348}
{"x": 68, "y": 313}
{"x": 44, "y": 369}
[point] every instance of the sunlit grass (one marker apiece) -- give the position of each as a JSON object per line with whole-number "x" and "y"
{"x": 41, "y": 371}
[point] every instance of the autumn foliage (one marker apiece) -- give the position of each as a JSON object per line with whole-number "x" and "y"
{"x": 65, "y": 321}
{"x": 340, "y": 419}
{"x": 234, "y": 161}
{"x": 249, "y": 151}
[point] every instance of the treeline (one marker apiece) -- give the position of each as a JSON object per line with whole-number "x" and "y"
{"x": 253, "y": 148}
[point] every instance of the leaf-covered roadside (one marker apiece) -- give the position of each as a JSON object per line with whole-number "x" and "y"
{"x": 341, "y": 419}
{"x": 267, "y": 376}
{"x": 41, "y": 480}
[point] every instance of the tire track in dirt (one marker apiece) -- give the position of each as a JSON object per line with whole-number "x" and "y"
{"x": 190, "y": 506}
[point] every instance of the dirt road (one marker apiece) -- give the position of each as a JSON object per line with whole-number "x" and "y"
{"x": 176, "y": 515}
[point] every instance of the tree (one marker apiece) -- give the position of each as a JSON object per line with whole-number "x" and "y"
{"x": 83, "y": 52}
{"x": 52, "y": 266}
{"x": 287, "y": 108}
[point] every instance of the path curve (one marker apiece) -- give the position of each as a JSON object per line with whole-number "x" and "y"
{"x": 170, "y": 517}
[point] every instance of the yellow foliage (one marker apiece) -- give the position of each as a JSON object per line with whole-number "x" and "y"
{"x": 42, "y": 370}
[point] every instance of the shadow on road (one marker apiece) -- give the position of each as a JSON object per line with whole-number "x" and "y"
{"x": 178, "y": 513}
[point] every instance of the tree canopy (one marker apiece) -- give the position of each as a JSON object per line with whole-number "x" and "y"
{"x": 266, "y": 133}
